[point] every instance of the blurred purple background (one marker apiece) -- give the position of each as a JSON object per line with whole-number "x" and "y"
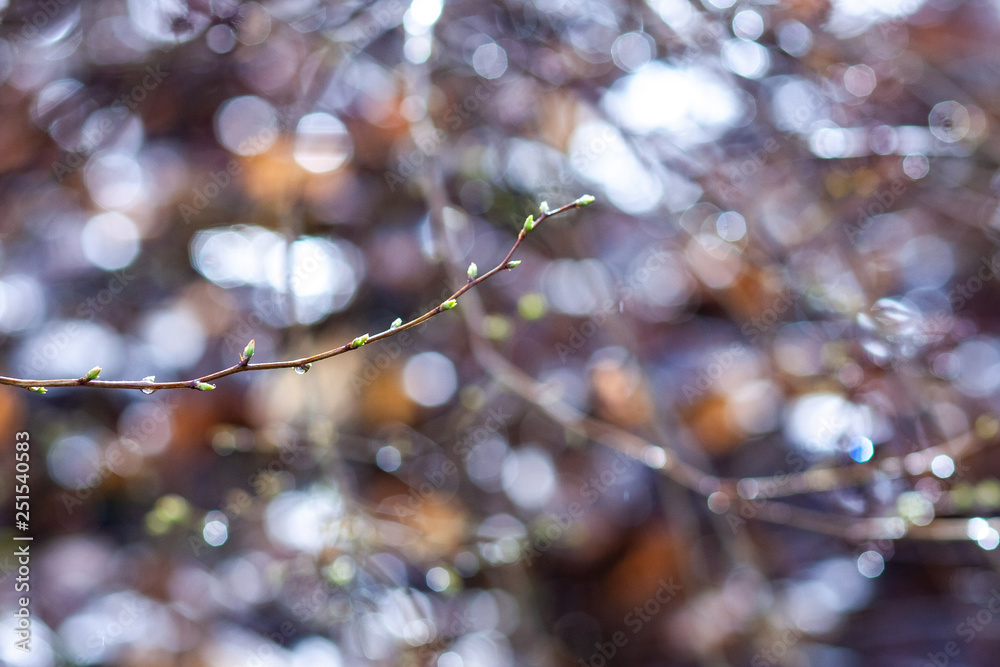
{"x": 740, "y": 411}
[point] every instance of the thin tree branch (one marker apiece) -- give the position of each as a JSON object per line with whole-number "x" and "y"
{"x": 204, "y": 383}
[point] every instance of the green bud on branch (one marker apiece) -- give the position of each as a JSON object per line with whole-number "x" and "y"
{"x": 148, "y": 385}
{"x": 248, "y": 351}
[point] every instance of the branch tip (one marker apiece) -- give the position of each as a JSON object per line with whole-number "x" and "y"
{"x": 248, "y": 352}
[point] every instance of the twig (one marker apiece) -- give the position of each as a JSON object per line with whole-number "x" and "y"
{"x": 762, "y": 506}
{"x": 204, "y": 383}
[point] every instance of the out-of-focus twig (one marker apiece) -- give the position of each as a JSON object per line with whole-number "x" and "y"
{"x": 762, "y": 507}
